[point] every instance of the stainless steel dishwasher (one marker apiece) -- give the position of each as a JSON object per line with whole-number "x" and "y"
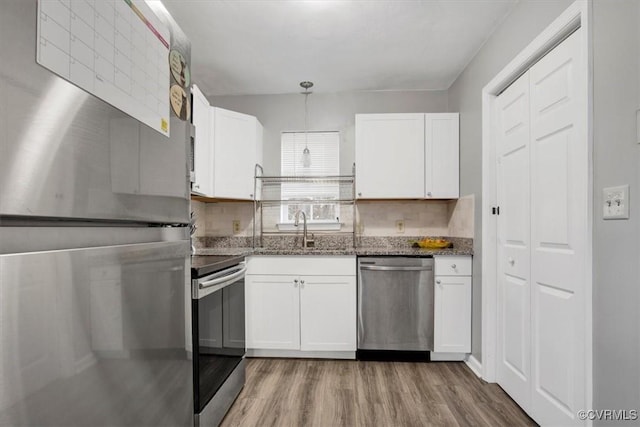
{"x": 395, "y": 303}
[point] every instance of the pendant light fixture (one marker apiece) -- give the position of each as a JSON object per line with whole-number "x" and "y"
{"x": 306, "y": 154}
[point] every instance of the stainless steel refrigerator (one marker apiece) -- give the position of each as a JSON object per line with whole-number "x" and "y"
{"x": 94, "y": 249}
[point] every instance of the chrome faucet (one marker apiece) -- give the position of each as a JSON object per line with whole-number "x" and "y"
{"x": 305, "y": 242}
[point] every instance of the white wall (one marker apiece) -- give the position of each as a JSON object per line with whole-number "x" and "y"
{"x": 616, "y": 244}
{"x": 327, "y": 111}
{"x": 526, "y": 21}
{"x": 616, "y": 161}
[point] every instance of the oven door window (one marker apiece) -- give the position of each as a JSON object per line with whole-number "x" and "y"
{"x": 220, "y": 343}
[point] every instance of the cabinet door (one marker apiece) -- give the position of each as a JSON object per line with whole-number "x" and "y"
{"x": 272, "y": 306}
{"x": 452, "y": 314}
{"x": 203, "y": 148}
{"x": 328, "y": 313}
{"x": 259, "y": 153}
{"x": 442, "y": 156}
{"x": 390, "y": 156}
{"x": 235, "y": 154}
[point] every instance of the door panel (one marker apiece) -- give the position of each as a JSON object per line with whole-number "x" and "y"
{"x": 78, "y": 339}
{"x": 328, "y": 313}
{"x": 452, "y": 314}
{"x": 559, "y": 212}
{"x": 272, "y": 312}
{"x": 390, "y": 145}
{"x": 203, "y": 150}
{"x": 442, "y": 156}
{"x": 513, "y": 371}
{"x": 57, "y": 143}
{"x": 235, "y": 154}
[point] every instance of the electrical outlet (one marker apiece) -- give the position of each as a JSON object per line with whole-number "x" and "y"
{"x": 236, "y": 226}
{"x": 615, "y": 202}
{"x": 400, "y": 226}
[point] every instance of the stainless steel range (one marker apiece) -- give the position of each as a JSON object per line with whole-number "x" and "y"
{"x": 218, "y": 335}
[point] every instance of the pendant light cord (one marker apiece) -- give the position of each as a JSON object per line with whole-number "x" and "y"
{"x": 306, "y": 154}
{"x": 306, "y": 121}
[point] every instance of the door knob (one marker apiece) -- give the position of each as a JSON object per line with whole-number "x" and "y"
{"x": 511, "y": 261}
{"x": 438, "y": 281}
{"x": 453, "y": 266}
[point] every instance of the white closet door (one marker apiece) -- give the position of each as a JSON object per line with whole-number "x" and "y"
{"x": 559, "y": 209}
{"x": 514, "y": 243}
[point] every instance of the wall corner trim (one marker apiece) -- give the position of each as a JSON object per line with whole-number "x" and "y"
{"x": 474, "y": 365}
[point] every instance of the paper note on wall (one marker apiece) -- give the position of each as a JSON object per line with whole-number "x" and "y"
{"x": 117, "y": 50}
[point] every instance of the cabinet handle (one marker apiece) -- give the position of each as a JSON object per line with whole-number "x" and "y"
{"x": 438, "y": 281}
{"x": 359, "y": 194}
{"x": 196, "y": 186}
{"x": 453, "y": 266}
{"x": 429, "y": 193}
{"x": 511, "y": 261}
{"x": 251, "y": 195}
{"x": 295, "y": 282}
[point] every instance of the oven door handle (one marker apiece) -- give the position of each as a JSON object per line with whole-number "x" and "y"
{"x": 230, "y": 278}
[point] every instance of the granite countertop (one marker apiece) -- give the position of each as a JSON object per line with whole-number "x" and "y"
{"x": 240, "y": 251}
{"x": 348, "y": 251}
{"x": 329, "y": 245}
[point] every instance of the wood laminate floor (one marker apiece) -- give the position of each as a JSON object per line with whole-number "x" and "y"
{"x": 303, "y": 392}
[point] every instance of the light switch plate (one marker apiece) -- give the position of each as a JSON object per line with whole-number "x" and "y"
{"x": 615, "y": 202}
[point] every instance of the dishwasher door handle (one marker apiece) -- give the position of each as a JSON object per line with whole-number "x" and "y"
{"x": 395, "y": 268}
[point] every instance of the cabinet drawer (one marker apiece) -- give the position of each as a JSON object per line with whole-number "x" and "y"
{"x": 302, "y": 265}
{"x": 455, "y": 265}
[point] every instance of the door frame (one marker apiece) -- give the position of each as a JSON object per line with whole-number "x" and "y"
{"x": 578, "y": 14}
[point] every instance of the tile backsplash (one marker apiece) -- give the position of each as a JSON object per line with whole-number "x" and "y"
{"x": 375, "y": 218}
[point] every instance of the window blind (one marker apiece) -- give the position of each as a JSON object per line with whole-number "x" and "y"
{"x": 325, "y": 160}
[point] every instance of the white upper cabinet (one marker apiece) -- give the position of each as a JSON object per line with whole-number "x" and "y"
{"x": 227, "y": 147}
{"x": 235, "y": 151}
{"x": 442, "y": 156}
{"x": 390, "y": 156}
{"x": 407, "y": 156}
{"x": 203, "y": 148}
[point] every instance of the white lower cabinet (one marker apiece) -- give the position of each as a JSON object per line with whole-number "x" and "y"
{"x": 310, "y": 314}
{"x": 272, "y": 312}
{"x": 452, "y": 308}
{"x": 328, "y": 313}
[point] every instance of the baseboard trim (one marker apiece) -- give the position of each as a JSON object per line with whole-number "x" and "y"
{"x": 301, "y": 354}
{"x": 474, "y": 365}
{"x": 448, "y": 357}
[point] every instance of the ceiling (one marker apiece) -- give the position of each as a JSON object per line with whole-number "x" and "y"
{"x": 268, "y": 46}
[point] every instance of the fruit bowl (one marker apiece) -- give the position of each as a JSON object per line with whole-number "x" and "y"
{"x": 430, "y": 243}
